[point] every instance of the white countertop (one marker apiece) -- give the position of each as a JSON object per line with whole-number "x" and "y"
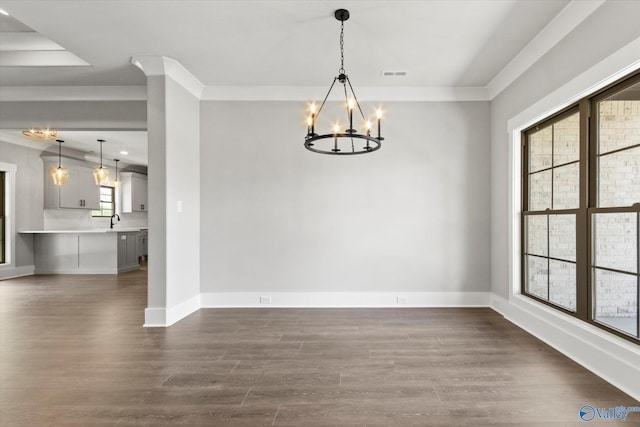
{"x": 86, "y": 231}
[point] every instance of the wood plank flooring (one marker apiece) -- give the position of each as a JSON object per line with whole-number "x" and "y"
{"x": 73, "y": 352}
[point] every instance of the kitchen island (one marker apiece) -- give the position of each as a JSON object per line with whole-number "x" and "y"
{"x": 93, "y": 251}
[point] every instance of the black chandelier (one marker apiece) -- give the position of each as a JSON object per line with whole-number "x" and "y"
{"x": 344, "y": 142}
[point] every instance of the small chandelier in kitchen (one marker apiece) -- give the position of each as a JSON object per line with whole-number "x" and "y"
{"x": 101, "y": 174}
{"x": 40, "y": 133}
{"x": 59, "y": 175}
{"x": 115, "y": 182}
{"x": 346, "y": 141}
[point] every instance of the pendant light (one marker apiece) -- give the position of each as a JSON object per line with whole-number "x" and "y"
{"x": 347, "y": 141}
{"x": 59, "y": 175}
{"x": 101, "y": 174}
{"x": 115, "y": 182}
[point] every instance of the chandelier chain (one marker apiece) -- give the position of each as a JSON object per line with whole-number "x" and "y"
{"x": 341, "y": 70}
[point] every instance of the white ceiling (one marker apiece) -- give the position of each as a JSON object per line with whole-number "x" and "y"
{"x": 284, "y": 43}
{"x": 249, "y": 43}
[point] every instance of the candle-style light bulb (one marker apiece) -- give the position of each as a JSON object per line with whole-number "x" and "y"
{"x": 379, "y": 116}
{"x": 351, "y": 104}
{"x": 313, "y": 119}
{"x": 368, "y": 126}
{"x": 336, "y": 128}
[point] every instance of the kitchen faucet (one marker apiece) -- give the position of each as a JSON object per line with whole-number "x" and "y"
{"x": 115, "y": 215}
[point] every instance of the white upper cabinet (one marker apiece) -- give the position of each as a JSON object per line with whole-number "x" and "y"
{"x": 134, "y": 192}
{"x": 79, "y": 192}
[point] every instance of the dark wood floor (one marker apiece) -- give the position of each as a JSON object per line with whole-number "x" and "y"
{"x": 74, "y": 353}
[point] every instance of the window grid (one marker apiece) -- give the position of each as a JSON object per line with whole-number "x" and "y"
{"x": 593, "y": 278}
{"x": 538, "y": 273}
{"x": 107, "y": 202}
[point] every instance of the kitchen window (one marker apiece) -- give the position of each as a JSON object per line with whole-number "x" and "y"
{"x": 580, "y": 233}
{"x": 107, "y": 202}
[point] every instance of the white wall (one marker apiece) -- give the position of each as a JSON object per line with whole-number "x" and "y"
{"x": 605, "y": 44}
{"x": 608, "y": 29}
{"x": 411, "y": 217}
{"x": 80, "y": 219}
{"x": 182, "y": 194}
{"x": 28, "y": 197}
{"x": 173, "y": 113}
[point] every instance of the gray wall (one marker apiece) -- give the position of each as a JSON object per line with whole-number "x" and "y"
{"x": 608, "y": 29}
{"x": 29, "y": 198}
{"x": 413, "y": 216}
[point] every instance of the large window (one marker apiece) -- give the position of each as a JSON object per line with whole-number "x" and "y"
{"x": 581, "y": 210}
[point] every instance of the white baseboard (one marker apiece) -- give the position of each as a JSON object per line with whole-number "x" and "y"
{"x": 182, "y": 310}
{"x": 128, "y": 268}
{"x": 155, "y": 318}
{"x": 163, "y": 317}
{"x": 344, "y": 299}
{"x": 12, "y": 272}
{"x": 610, "y": 357}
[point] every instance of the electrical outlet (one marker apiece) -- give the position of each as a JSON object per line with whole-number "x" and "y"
{"x": 265, "y": 300}
{"x": 403, "y": 300}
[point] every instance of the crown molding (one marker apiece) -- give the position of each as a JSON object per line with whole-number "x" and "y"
{"x": 366, "y": 93}
{"x": 562, "y": 24}
{"x": 242, "y": 93}
{"x": 153, "y": 65}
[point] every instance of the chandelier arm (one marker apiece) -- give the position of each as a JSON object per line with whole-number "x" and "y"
{"x": 326, "y": 96}
{"x": 346, "y": 100}
{"x": 355, "y": 98}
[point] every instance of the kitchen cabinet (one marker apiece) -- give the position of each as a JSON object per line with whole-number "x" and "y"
{"x": 143, "y": 243}
{"x": 79, "y": 192}
{"x": 134, "y": 192}
{"x": 85, "y": 251}
{"x": 127, "y": 251}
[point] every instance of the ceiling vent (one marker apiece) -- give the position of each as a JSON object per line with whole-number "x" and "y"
{"x": 393, "y": 73}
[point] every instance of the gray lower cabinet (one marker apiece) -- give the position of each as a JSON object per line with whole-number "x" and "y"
{"x": 127, "y": 252}
{"x": 97, "y": 252}
{"x": 143, "y": 243}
